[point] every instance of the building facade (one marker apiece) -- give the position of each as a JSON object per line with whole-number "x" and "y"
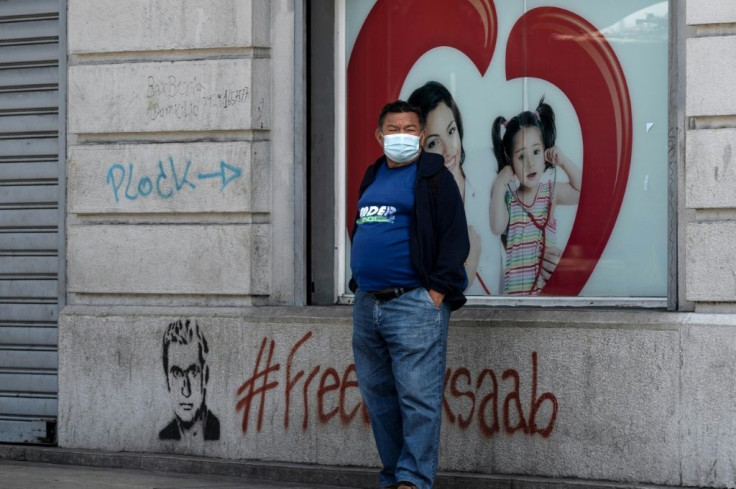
{"x": 206, "y": 158}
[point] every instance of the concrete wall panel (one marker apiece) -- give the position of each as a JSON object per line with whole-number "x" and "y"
{"x": 288, "y": 160}
{"x": 160, "y": 259}
{"x": 709, "y": 405}
{"x": 592, "y": 401}
{"x": 106, "y": 26}
{"x": 612, "y": 423}
{"x": 710, "y": 261}
{"x": 711, "y": 69}
{"x": 170, "y": 96}
{"x": 166, "y": 178}
{"x": 261, "y": 260}
{"x": 261, "y": 183}
{"x": 710, "y": 11}
{"x": 711, "y": 169}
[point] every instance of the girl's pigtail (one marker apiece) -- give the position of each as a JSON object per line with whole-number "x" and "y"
{"x": 498, "y": 150}
{"x": 547, "y": 124}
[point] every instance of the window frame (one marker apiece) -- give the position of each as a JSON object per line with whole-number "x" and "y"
{"x": 675, "y": 116}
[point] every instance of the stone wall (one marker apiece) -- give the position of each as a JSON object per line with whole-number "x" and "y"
{"x": 173, "y": 110}
{"x": 710, "y": 108}
{"x": 623, "y": 396}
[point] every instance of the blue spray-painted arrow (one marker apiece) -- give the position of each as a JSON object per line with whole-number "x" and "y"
{"x": 227, "y": 173}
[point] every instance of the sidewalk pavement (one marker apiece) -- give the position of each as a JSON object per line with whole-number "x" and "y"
{"x": 254, "y": 474}
{"x": 28, "y": 466}
{"x": 34, "y": 475}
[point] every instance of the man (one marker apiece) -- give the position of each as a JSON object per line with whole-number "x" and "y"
{"x": 410, "y": 241}
{"x": 187, "y": 373}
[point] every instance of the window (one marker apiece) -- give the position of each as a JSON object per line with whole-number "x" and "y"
{"x": 585, "y": 224}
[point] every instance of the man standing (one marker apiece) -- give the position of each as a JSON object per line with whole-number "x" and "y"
{"x": 410, "y": 241}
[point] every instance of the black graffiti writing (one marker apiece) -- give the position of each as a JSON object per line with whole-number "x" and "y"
{"x": 184, "y": 99}
{"x": 171, "y": 86}
{"x": 226, "y": 98}
{"x": 183, "y": 110}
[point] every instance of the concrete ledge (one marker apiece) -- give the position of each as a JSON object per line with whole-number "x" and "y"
{"x": 348, "y": 477}
{"x": 205, "y": 95}
{"x": 217, "y": 260}
{"x": 467, "y": 316}
{"x": 226, "y": 177}
{"x": 709, "y": 173}
{"x": 709, "y": 263}
{"x": 109, "y": 26}
{"x": 710, "y": 12}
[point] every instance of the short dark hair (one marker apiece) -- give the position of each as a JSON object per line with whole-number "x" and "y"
{"x": 398, "y": 107}
{"x": 185, "y": 333}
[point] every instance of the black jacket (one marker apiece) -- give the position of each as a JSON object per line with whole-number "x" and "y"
{"x": 439, "y": 241}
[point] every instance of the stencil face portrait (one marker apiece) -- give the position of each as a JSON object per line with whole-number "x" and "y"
{"x": 185, "y": 354}
{"x": 185, "y": 377}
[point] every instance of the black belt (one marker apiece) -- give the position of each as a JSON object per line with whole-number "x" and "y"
{"x": 388, "y": 294}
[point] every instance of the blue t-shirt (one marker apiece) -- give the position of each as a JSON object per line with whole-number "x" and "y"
{"x": 380, "y": 257}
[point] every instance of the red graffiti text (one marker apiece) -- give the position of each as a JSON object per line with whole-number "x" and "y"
{"x": 468, "y": 399}
{"x": 461, "y": 386}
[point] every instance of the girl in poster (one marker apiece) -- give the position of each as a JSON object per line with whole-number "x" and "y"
{"x": 525, "y": 194}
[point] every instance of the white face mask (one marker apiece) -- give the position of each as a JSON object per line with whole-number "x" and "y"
{"x": 401, "y": 147}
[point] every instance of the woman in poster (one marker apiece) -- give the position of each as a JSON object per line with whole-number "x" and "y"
{"x": 525, "y": 194}
{"x": 444, "y": 135}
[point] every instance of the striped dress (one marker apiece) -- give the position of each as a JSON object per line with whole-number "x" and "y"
{"x": 528, "y": 233}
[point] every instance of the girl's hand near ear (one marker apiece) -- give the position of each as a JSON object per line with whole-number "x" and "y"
{"x": 555, "y": 156}
{"x": 505, "y": 176}
{"x": 567, "y": 193}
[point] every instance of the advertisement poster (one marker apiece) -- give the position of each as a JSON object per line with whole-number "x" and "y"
{"x": 590, "y": 220}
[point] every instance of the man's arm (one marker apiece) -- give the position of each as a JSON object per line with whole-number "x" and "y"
{"x": 453, "y": 244}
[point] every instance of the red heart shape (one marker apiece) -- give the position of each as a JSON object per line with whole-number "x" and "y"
{"x": 393, "y": 36}
{"x": 573, "y": 55}
{"x": 568, "y": 52}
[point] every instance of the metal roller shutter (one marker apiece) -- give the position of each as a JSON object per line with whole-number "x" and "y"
{"x": 30, "y": 217}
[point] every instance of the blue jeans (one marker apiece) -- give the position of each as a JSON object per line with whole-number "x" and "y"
{"x": 399, "y": 348}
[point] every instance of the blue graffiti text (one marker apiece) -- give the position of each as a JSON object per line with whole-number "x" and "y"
{"x": 170, "y": 179}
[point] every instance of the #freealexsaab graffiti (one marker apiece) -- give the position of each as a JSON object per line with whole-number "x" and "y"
{"x": 471, "y": 400}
